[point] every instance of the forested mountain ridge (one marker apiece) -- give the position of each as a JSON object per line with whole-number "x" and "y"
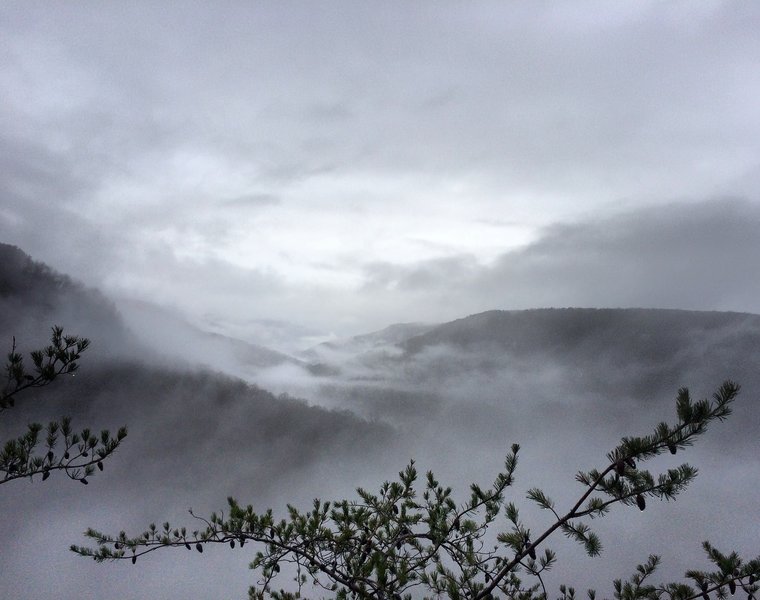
{"x": 655, "y": 332}
{"x": 452, "y": 396}
{"x": 170, "y": 406}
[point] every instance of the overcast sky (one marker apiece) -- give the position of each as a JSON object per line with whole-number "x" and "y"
{"x": 342, "y": 166}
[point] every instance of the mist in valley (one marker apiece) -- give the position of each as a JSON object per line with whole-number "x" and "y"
{"x": 310, "y": 242}
{"x": 208, "y": 418}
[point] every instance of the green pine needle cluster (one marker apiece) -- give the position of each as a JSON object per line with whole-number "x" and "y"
{"x": 402, "y": 543}
{"x": 82, "y": 452}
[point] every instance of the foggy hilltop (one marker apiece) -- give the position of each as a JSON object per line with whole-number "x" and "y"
{"x": 211, "y": 415}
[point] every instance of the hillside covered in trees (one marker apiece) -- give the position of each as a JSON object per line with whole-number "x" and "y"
{"x": 565, "y": 384}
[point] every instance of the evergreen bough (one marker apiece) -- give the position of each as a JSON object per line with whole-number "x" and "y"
{"x": 401, "y": 543}
{"x": 34, "y": 453}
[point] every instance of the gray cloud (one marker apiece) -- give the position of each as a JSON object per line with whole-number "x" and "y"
{"x": 430, "y": 276}
{"x": 698, "y": 256}
{"x": 252, "y": 201}
{"x": 389, "y": 137}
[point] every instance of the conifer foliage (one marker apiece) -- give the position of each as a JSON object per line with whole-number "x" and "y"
{"x": 411, "y": 539}
{"x": 34, "y": 453}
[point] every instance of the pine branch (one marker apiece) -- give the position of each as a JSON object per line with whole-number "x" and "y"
{"x": 83, "y": 452}
{"x": 392, "y": 543}
{"x": 59, "y": 358}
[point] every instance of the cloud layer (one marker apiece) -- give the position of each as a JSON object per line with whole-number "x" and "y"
{"x": 287, "y": 162}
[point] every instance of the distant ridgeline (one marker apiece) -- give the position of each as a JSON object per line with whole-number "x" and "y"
{"x": 189, "y": 411}
{"x": 646, "y": 350}
{"x": 638, "y": 354}
{"x": 657, "y": 332}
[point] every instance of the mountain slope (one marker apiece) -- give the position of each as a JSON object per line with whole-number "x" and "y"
{"x": 34, "y": 297}
{"x": 656, "y": 333}
{"x": 170, "y": 334}
{"x": 634, "y": 352}
{"x": 514, "y": 358}
{"x": 172, "y": 410}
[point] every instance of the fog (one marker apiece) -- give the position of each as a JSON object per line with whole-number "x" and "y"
{"x": 565, "y": 384}
{"x": 310, "y": 241}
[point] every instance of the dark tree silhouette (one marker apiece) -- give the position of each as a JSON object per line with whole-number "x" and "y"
{"x": 29, "y": 455}
{"x": 399, "y": 543}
